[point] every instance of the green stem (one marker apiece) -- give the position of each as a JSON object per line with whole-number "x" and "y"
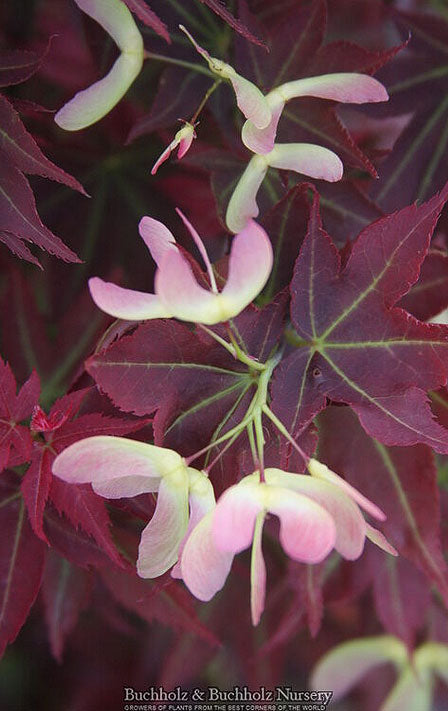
{"x": 234, "y": 431}
{"x": 253, "y": 449}
{"x": 234, "y": 349}
{"x": 260, "y": 442}
{"x": 218, "y": 339}
{"x": 199, "y": 68}
{"x": 206, "y": 97}
{"x": 241, "y": 354}
{"x": 252, "y": 416}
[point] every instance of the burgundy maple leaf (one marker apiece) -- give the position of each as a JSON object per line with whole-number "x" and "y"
{"x": 352, "y": 344}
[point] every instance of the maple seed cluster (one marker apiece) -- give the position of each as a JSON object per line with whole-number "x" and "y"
{"x": 200, "y": 537}
{"x": 190, "y": 532}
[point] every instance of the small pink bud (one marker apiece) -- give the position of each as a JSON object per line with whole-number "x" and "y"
{"x": 183, "y": 139}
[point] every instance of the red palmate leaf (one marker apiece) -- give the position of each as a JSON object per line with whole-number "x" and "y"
{"x": 36, "y": 483}
{"x": 15, "y": 439}
{"x": 19, "y": 215}
{"x": 351, "y": 343}
{"x": 19, "y": 148}
{"x": 21, "y": 561}
{"x": 66, "y": 591}
{"x": 40, "y": 422}
{"x": 164, "y": 367}
{"x": 162, "y": 359}
{"x": 403, "y": 481}
{"x": 19, "y": 152}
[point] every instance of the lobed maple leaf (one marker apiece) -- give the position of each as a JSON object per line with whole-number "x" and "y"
{"x": 19, "y": 214}
{"x": 352, "y": 344}
{"x": 164, "y": 359}
{"x": 19, "y": 153}
{"x": 194, "y": 387}
{"x": 19, "y": 148}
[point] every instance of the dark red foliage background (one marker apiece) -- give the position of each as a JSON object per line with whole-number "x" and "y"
{"x": 360, "y": 268}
